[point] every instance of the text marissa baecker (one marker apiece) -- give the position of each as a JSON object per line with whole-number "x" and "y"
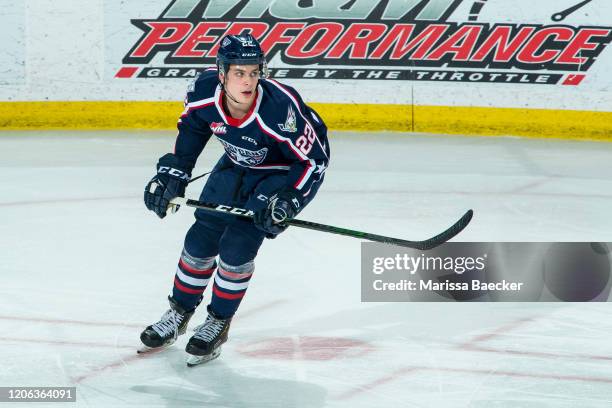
{"x": 431, "y": 285}
{"x": 412, "y": 264}
{"x": 458, "y": 265}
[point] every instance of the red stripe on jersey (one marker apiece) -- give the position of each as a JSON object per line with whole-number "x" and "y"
{"x": 306, "y": 171}
{"x": 185, "y": 289}
{"x": 194, "y": 271}
{"x": 229, "y": 296}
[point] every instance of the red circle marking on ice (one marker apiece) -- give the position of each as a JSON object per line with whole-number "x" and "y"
{"x": 306, "y": 348}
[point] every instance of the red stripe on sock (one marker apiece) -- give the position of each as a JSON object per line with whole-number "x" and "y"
{"x": 234, "y": 275}
{"x": 190, "y": 269}
{"x": 230, "y": 296}
{"x": 185, "y": 289}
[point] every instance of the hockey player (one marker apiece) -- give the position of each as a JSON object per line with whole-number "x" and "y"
{"x": 276, "y": 153}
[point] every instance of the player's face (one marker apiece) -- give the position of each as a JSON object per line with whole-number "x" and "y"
{"x": 241, "y": 82}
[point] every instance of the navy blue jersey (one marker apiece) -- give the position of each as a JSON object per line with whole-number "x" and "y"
{"x": 279, "y": 134}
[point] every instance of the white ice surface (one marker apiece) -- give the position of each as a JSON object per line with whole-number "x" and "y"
{"x": 85, "y": 267}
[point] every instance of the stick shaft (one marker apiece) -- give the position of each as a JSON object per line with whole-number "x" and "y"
{"x": 423, "y": 245}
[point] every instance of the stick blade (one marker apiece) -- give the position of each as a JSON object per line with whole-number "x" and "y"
{"x": 447, "y": 235}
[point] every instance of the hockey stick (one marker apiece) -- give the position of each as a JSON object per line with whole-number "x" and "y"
{"x": 207, "y": 173}
{"x": 430, "y": 243}
{"x": 199, "y": 177}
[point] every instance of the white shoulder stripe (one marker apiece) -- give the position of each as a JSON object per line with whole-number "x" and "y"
{"x": 202, "y": 102}
{"x": 219, "y": 107}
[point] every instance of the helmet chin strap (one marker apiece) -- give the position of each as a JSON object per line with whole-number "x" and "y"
{"x": 232, "y": 98}
{"x": 229, "y": 94}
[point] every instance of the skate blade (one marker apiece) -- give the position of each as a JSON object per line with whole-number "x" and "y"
{"x": 193, "y": 361}
{"x": 146, "y": 349}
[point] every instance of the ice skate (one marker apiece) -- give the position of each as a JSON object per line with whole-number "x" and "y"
{"x": 205, "y": 344}
{"x": 165, "y": 332}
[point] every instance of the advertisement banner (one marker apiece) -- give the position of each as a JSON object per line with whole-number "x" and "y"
{"x": 461, "y": 41}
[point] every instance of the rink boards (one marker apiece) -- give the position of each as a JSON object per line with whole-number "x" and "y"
{"x": 538, "y": 123}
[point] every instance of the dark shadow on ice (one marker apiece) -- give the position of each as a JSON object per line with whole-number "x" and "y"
{"x": 216, "y": 385}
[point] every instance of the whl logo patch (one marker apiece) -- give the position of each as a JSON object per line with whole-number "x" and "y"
{"x": 244, "y": 157}
{"x": 218, "y": 128}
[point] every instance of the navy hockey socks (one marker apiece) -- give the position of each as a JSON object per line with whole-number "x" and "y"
{"x": 230, "y": 285}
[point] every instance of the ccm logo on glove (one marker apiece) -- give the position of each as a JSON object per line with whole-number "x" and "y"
{"x": 174, "y": 173}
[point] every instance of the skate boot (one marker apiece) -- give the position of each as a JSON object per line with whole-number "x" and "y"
{"x": 165, "y": 332}
{"x": 205, "y": 344}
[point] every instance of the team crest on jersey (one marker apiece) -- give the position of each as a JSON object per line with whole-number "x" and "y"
{"x": 218, "y": 128}
{"x": 290, "y": 124}
{"x": 243, "y": 156}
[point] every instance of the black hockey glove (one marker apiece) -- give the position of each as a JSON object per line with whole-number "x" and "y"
{"x": 169, "y": 182}
{"x": 282, "y": 206}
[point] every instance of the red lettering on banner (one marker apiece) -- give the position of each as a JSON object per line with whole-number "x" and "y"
{"x": 461, "y": 43}
{"x": 198, "y": 36}
{"x": 277, "y": 35}
{"x": 428, "y": 37}
{"x": 573, "y": 79}
{"x": 379, "y": 43}
{"x": 357, "y": 38}
{"x": 399, "y": 34}
{"x": 126, "y": 72}
{"x": 423, "y": 42}
{"x": 162, "y": 33}
{"x": 499, "y": 40}
{"x": 331, "y": 31}
{"x": 529, "y": 54}
{"x": 257, "y": 30}
{"x": 579, "y": 43}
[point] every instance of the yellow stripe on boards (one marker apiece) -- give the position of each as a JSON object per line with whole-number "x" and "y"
{"x": 370, "y": 117}
{"x": 89, "y": 115}
{"x": 539, "y": 123}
